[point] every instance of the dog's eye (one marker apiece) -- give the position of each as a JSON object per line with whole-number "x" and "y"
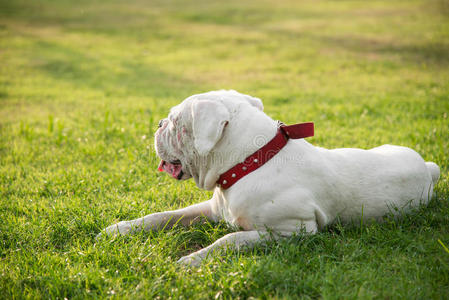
{"x": 160, "y": 123}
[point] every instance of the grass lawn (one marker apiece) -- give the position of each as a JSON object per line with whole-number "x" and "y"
{"x": 84, "y": 83}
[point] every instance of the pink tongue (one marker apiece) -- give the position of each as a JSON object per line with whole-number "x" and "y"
{"x": 173, "y": 170}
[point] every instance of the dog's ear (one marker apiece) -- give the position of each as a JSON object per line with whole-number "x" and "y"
{"x": 209, "y": 118}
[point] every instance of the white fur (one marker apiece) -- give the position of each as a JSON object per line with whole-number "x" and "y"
{"x": 302, "y": 188}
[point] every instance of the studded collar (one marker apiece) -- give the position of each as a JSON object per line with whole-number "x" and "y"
{"x": 267, "y": 152}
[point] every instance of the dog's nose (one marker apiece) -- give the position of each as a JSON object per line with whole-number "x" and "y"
{"x": 160, "y": 123}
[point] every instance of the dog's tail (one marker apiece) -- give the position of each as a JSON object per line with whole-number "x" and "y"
{"x": 434, "y": 171}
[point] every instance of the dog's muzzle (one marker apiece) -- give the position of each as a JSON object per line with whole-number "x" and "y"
{"x": 172, "y": 168}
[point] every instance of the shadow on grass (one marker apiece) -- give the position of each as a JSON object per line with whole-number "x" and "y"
{"x": 111, "y": 75}
{"x": 434, "y": 53}
{"x": 420, "y": 52}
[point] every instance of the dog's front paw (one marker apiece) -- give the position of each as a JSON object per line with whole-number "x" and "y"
{"x": 191, "y": 260}
{"x": 122, "y": 228}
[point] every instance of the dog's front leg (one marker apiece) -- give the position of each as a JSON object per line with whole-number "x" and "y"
{"x": 235, "y": 240}
{"x": 162, "y": 220}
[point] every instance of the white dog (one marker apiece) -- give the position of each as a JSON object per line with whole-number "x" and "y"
{"x": 295, "y": 188}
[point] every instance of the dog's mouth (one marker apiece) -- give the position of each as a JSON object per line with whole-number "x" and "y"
{"x": 174, "y": 168}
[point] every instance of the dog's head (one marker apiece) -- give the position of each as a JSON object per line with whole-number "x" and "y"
{"x": 201, "y": 125}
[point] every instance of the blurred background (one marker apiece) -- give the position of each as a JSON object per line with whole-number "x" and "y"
{"x": 367, "y": 56}
{"x": 282, "y": 51}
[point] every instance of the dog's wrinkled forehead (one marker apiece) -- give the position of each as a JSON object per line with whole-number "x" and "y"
{"x": 175, "y": 112}
{"x": 179, "y": 115}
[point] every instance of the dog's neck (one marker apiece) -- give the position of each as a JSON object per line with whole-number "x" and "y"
{"x": 242, "y": 137}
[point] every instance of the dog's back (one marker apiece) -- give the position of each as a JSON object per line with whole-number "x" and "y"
{"x": 383, "y": 179}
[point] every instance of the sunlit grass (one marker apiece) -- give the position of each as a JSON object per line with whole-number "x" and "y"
{"x": 83, "y": 85}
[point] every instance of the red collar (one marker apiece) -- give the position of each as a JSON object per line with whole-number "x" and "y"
{"x": 264, "y": 154}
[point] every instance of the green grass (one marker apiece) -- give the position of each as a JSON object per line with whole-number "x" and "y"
{"x": 84, "y": 83}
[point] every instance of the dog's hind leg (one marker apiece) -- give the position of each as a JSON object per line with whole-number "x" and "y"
{"x": 241, "y": 240}
{"x": 235, "y": 240}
